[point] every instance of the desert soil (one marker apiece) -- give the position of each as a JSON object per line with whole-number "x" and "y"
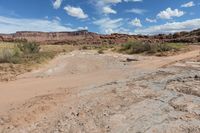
{"x": 86, "y": 92}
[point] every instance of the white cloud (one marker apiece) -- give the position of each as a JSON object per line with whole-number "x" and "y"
{"x": 58, "y": 18}
{"x": 169, "y": 13}
{"x": 189, "y": 4}
{"x": 57, "y": 4}
{"x": 151, "y": 20}
{"x": 187, "y": 25}
{"x": 11, "y": 25}
{"x": 75, "y": 12}
{"x": 133, "y": 0}
{"x": 108, "y": 10}
{"x": 108, "y": 25}
{"x": 105, "y": 6}
{"x": 112, "y": 1}
{"x": 82, "y": 28}
{"x": 136, "y": 22}
{"x": 136, "y": 11}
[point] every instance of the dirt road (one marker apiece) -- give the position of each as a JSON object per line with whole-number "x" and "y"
{"x": 86, "y": 92}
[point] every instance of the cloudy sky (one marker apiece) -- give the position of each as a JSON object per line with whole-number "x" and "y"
{"x": 101, "y": 16}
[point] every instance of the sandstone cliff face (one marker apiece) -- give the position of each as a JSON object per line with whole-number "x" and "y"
{"x": 7, "y": 37}
{"x": 53, "y": 37}
{"x": 74, "y": 38}
{"x": 48, "y": 37}
{"x": 185, "y": 37}
{"x": 84, "y": 37}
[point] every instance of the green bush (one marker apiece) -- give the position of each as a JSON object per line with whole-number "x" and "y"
{"x": 100, "y": 51}
{"x": 136, "y": 47}
{"x": 24, "y": 53}
{"x": 163, "y": 47}
{"x": 84, "y": 47}
{"x": 29, "y": 47}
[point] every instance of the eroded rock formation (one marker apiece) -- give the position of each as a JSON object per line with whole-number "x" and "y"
{"x": 84, "y": 37}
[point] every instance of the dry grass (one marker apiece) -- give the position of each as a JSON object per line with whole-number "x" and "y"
{"x": 58, "y": 48}
{"x": 15, "y": 61}
{"x": 7, "y": 45}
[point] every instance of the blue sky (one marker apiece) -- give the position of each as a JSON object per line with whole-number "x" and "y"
{"x": 101, "y": 16}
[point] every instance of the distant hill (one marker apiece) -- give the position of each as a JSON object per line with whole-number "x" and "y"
{"x": 188, "y": 37}
{"x": 84, "y": 37}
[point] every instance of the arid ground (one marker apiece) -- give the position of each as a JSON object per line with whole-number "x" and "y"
{"x": 83, "y": 91}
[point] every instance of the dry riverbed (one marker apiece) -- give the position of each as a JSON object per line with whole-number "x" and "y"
{"x": 84, "y": 91}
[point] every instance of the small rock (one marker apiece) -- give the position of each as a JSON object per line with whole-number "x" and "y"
{"x": 130, "y": 60}
{"x": 196, "y": 77}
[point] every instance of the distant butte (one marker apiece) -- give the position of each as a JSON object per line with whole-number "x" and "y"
{"x": 84, "y": 37}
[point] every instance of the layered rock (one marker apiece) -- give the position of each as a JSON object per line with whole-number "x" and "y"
{"x": 48, "y": 37}
{"x": 74, "y": 38}
{"x": 185, "y": 37}
{"x": 84, "y": 37}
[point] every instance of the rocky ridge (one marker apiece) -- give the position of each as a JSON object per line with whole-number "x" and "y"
{"x": 85, "y": 37}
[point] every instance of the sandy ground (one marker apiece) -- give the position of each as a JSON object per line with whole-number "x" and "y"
{"x": 87, "y": 92}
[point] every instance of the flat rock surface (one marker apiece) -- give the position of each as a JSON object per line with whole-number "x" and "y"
{"x": 87, "y": 92}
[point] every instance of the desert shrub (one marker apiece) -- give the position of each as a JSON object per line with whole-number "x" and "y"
{"x": 17, "y": 51}
{"x": 164, "y": 48}
{"x": 29, "y": 47}
{"x": 36, "y": 57}
{"x": 151, "y": 48}
{"x": 174, "y": 46}
{"x": 8, "y": 55}
{"x": 24, "y": 53}
{"x": 84, "y": 47}
{"x": 135, "y": 47}
{"x": 100, "y": 51}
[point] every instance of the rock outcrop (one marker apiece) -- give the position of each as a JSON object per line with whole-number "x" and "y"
{"x": 75, "y": 38}
{"x": 84, "y": 37}
{"x": 48, "y": 37}
{"x": 186, "y": 37}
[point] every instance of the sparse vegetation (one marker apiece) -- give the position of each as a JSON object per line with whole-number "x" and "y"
{"x": 25, "y": 56}
{"x": 30, "y": 52}
{"x": 29, "y": 47}
{"x": 97, "y": 47}
{"x": 21, "y": 57}
{"x": 6, "y": 55}
{"x": 24, "y": 53}
{"x": 100, "y": 51}
{"x": 9, "y": 55}
{"x": 137, "y": 47}
{"x": 134, "y": 47}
